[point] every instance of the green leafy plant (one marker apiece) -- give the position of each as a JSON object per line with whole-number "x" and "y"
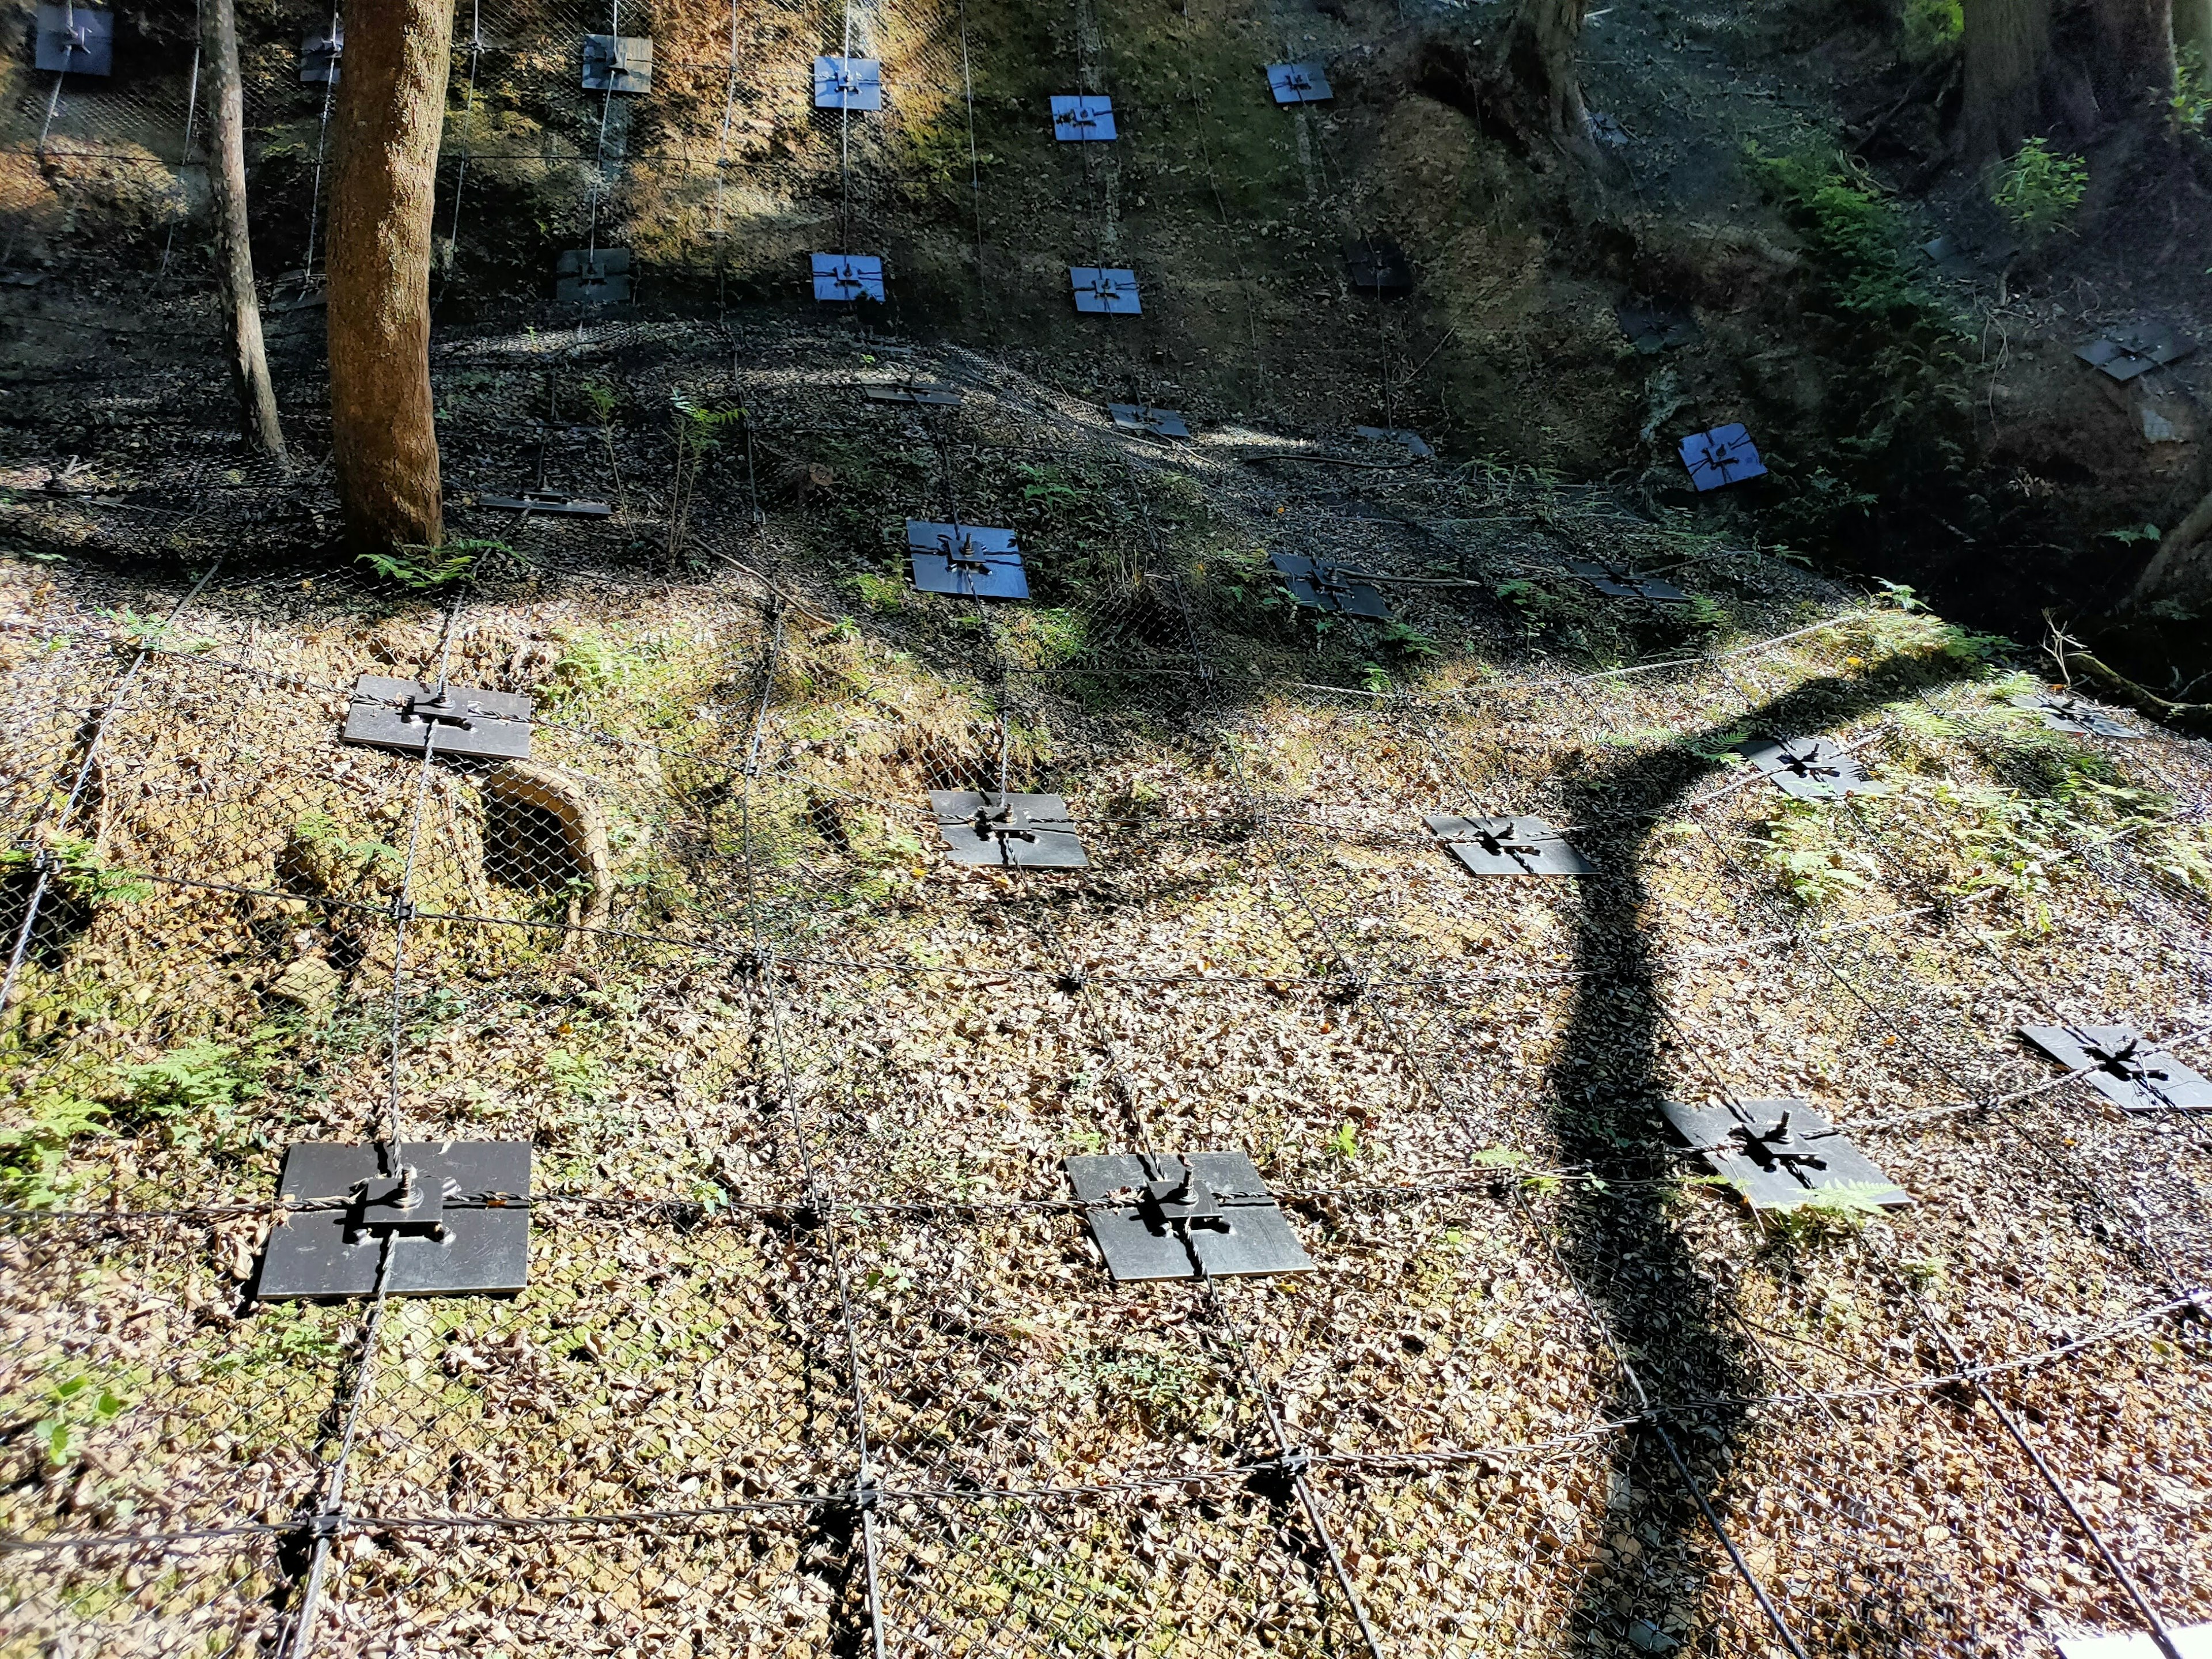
{"x": 1830, "y": 1211}
{"x": 1856, "y": 233}
{"x": 419, "y": 567}
{"x": 699, "y": 433}
{"x": 1800, "y": 847}
{"x": 71, "y": 1408}
{"x": 197, "y": 1075}
{"x": 196, "y": 1088}
{"x": 33, "y": 1152}
{"x": 580, "y": 1078}
{"x": 604, "y": 398}
{"x": 132, "y": 628}
{"x": 1409, "y": 640}
{"x": 82, "y": 873}
{"x": 1375, "y": 677}
{"x": 1345, "y": 1143}
{"x": 1933, "y": 29}
{"x": 2038, "y": 190}
{"x": 2130, "y": 533}
{"x": 2191, "y": 104}
{"x": 1902, "y": 408}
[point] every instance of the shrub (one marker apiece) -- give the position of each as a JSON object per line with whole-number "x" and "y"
{"x": 1932, "y": 30}
{"x": 2038, "y": 189}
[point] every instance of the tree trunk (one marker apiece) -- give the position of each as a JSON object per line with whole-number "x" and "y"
{"x": 249, "y": 362}
{"x": 2006, "y": 45}
{"x": 391, "y": 106}
{"x": 1540, "y": 59}
{"x": 2135, "y": 53}
{"x": 2182, "y": 570}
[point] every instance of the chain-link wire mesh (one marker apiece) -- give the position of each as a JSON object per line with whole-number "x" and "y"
{"x": 815, "y": 1352}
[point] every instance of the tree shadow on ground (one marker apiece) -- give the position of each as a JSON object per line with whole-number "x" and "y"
{"x": 1623, "y": 1246}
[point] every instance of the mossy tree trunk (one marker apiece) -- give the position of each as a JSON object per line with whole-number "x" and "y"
{"x": 2133, "y": 64}
{"x": 1540, "y": 64}
{"x": 249, "y": 359}
{"x": 391, "y": 108}
{"x": 2180, "y": 574}
{"x": 2006, "y": 47}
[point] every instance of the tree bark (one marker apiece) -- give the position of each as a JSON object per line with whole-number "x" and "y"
{"x": 249, "y": 362}
{"x": 2135, "y": 53}
{"x": 390, "y": 106}
{"x": 2182, "y": 569}
{"x": 1540, "y": 71}
{"x": 2006, "y": 45}
{"x": 1541, "y": 57}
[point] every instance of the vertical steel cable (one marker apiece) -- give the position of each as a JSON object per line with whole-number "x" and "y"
{"x": 468, "y": 143}
{"x": 184, "y": 150}
{"x": 729, "y": 115}
{"x": 322, "y": 140}
{"x": 975, "y": 164}
{"x": 329, "y": 1518}
{"x": 818, "y": 1198}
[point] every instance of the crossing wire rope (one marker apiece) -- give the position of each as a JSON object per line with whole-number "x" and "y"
{"x": 765, "y": 964}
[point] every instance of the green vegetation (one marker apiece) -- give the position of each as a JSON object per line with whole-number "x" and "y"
{"x": 2191, "y": 106}
{"x": 1837, "y": 1212}
{"x": 1901, "y": 404}
{"x": 1933, "y": 29}
{"x": 1799, "y": 845}
{"x": 2038, "y": 190}
{"x": 1858, "y": 236}
{"x": 81, "y": 874}
{"x": 420, "y": 568}
{"x": 72, "y": 1407}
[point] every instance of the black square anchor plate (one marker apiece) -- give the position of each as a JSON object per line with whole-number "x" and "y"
{"x": 1725, "y": 455}
{"x": 1108, "y": 290}
{"x": 2133, "y": 1076}
{"x": 2062, "y": 712}
{"x": 971, "y": 559}
{"x": 592, "y": 276}
{"x": 847, "y": 275}
{"x": 1330, "y": 588}
{"x": 2125, "y": 353}
{"x": 1299, "y": 83}
{"x": 1378, "y": 266}
{"x": 322, "y": 51}
{"x": 618, "y": 63}
{"x": 1033, "y": 832}
{"x": 1509, "y": 846}
{"x": 1778, "y": 1153}
{"x": 848, "y": 84}
{"x": 1142, "y": 417}
{"x": 1656, "y": 326}
{"x": 459, "y": 1225}
{"x": 1617, "y": 583}
{"x": 401, "y": 714}
{"x": 1162, "y": 1217}
{"x": 1811, "y": 768}
{"x": 912, "y": 391}
{"x": 1084, "y": 117}
{"x": 545, "y": 502}
{"x": 75, "y": 39}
